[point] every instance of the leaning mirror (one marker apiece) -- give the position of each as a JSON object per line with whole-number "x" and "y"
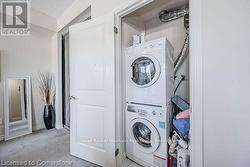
{"x": 18, "y": 121}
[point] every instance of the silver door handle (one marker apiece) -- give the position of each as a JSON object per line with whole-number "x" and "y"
{"x": 73, "y": 98}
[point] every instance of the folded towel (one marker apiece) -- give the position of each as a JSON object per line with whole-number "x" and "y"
{"x": 183, "y": 114}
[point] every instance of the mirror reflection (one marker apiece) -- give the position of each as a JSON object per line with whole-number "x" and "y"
{"x": 17, "y": 100}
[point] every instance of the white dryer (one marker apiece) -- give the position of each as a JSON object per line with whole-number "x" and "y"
{"x": 150, "y": 73}
{"x": 147, "y": 131}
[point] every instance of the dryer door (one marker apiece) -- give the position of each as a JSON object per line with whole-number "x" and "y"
{"x": 145, "y": 135}
{"x": 145, "y": 71}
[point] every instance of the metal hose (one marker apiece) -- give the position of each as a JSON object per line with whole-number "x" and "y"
{"x": 182, "y": 54}
{"x": 166, "y": 16}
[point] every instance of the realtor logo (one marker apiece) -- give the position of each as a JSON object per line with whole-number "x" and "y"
{"x": 15, "y": 18}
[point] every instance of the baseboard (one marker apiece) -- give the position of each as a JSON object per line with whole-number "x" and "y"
{"x": 42, "y": 126}
{"x": 38, "y": 127}
{"x": 1, "y": 132}
{"x": 1, "y": 137}
{"x": 59, "y": 126}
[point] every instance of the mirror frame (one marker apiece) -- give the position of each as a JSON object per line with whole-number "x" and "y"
{"x": 7, "y": 123}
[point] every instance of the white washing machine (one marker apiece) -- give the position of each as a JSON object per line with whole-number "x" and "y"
{"x": 150, "y": 73}
{"x": 147, "y": 131}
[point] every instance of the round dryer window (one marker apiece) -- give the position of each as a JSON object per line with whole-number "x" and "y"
{"x": 145, "y": 71}
{"x": 146, "y": 136}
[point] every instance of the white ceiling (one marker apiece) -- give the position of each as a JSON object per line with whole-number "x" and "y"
{"x": 53, "y": 8}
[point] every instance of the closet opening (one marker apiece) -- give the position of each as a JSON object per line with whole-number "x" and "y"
{"x": 65, "y": 81}
{"x": 154, "y": 47}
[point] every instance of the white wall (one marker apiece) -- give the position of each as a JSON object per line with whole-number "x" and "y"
{"x": 226, "y": 81}
{"x": 42, "y": 20}
{"x": 131, "y": 26}
{"x": 72, "y": 12}
{"x": 56, "y": 69}
{"x": 98, "y": 8}
{"x": 26, "y": 56}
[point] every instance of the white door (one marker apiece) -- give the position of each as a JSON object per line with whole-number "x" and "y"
{"x": 93, "y": 91}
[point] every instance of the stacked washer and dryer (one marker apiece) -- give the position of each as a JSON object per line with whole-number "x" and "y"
{"x": 149, "y": 88}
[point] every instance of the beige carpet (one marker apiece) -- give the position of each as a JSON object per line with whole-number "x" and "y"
{"x": 43, "y": 148}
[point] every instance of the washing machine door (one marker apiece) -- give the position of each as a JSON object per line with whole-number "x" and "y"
{"x": 145, "y": 70}
{"x": 145, "y": 135}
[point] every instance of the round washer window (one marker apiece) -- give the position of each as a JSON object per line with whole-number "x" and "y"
{"x": 143, "y": 71}
{"x": 145, "y": 134}
{"x": 142, "y": 134}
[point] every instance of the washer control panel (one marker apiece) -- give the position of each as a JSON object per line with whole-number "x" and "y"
{"x": 144, "y": 111}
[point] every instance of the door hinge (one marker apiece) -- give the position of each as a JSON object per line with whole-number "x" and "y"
{"x": 115, "y": 30}
{"x": 116, "y": 152}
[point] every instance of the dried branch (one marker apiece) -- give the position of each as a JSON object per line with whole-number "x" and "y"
{"x": 46, "y": 87}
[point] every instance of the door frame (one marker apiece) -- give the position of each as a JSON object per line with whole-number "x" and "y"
{"x": 120, "y": 12}
{"x": 196, "y": 79}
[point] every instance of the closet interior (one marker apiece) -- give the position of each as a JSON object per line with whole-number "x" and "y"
{"x": 155, "y": 52}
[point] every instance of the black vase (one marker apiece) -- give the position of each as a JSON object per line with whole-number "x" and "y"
{"x": 49, "y": 116}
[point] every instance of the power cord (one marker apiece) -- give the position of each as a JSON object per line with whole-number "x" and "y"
{"x": 178, "y": 85}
